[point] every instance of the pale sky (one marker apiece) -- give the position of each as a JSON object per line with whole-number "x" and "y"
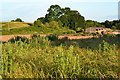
{"x": 30, "y": 10}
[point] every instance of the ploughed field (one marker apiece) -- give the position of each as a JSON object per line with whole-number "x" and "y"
{"x": 8, "y": 37}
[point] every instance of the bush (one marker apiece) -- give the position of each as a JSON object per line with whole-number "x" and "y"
{"x": 109, "y": 35}
{"x": 35, "y": 36}
{"x": 54, "y": 24}
{"x": 104, "y": 46}
{"x": 18, "y": 38}
{"x": 39, "y": 60}
{"x": 38, "y": 23}
{"x": 70, "y": 32}
{"x": 39, "y": 42}
{"x": 53, "y": 37}
{"x": 63, "y": 40}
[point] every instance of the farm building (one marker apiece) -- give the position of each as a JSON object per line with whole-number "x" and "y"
{"x": 98, "y": 30}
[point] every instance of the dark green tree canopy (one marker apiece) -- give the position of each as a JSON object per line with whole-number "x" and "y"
{"x": 18, "y": 20}
{"x": 91, "y": 23}
{"x": 65, "y": 16}
{"x": 54, "y": 12}
{"x": 112, "y": 24}
{"x": 42, "y": 19}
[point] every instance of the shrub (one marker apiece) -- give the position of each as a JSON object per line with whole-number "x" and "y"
{"x": 54, "y": 24}
{"x": 70, "y": 32}
{"x": 35, "y": 36}
{"x": 53, "y": 37}
{"x": 104, "y": 46}
{"x": 18, "y": 38}
{"x": 63, "y": 40}
{"x": 38, "y": 23}
{"x": 39, "y": 42}
{"x": 39, "y": 59}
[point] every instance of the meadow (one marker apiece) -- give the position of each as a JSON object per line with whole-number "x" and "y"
{"x": 28, "y": 28}
{"x": 50, "y": 57}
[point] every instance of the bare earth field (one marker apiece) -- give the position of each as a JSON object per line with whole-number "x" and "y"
{"x": 8, "y": 37}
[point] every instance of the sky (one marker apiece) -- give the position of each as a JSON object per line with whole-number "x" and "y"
{"x": 30, "y": 10}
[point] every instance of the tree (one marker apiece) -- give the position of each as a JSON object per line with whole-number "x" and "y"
{"x": 76, "y": 21}
{"x": 65, "y": 20}
{"x": 65, "y": 10}
{"x": 42, "y": 19}
{"x": 112, "y": 24}
{"x": 73, "y": 21}
{"x": 54, "y": 13}
{"x": 12, "y": 20}
{"x": 18, "y": 20}
{"x": 90, "y": 23}
{"x": 113, "y": 27}
{"x": 64, "y": 16}
{"x": 118, "y": 26}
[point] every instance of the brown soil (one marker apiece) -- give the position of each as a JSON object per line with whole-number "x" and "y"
{"x": 8, "y": 37}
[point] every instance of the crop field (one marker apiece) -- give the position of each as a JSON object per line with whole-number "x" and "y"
{"x": 50, "y": 57}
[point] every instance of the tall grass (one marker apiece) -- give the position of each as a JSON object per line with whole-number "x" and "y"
{"x": 39, "y": 58}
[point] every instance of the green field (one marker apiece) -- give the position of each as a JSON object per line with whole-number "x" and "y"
{"x": 38, "y": 30}
{"x": 24, "y": 28}
{"x": 53, "y": 58}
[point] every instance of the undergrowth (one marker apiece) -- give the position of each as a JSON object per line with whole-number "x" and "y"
{"x": 41, "y": 57}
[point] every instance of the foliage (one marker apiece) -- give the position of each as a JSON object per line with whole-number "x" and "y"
{"x": 17, "y": 20}
{"x": 115, "y": 24}
{"x": 90, "y": 23}
{"x": 18, "y": 38}
{"x": 54, "y": 24}
{"x": 38, "y": 23}
{"x": 35, "y": 35}
{"x": 53, "y": 13}
{"x": 42, "y": 19}
{"x": 47, "y": 29}
{"x": 64, "y": 16}
{"x": 73, "y": 21}
{"x": 40, "y": 59}
{"x": 53, "y": 37}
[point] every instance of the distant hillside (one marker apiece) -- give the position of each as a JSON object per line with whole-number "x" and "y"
{"x": 12, "y": 25}
{"x": 29, "y": 28}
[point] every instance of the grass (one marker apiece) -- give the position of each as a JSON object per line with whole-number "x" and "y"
{"x": 38, "y": 30}
{"x": 53, "y": 58}
{"x": 14, "y": 25}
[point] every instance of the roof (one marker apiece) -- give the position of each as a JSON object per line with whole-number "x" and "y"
{"x": 96, "y": 29}
{"x": 93, "y": 28}
{"x": 117, "y": 31}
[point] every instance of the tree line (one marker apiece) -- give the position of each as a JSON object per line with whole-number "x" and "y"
{"x": 65, "y": 17}
{"x": 115, "y": 24}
